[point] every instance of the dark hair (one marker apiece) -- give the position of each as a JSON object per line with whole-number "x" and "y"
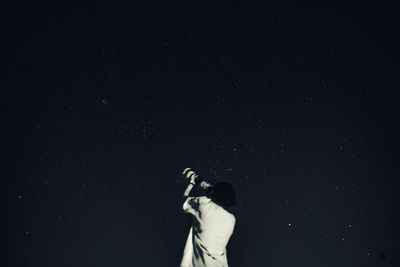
{"x": 223, "y": 194}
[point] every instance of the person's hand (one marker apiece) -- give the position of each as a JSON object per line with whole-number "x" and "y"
{"x": 190, "y": 175}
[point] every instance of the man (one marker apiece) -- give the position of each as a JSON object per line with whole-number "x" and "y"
{"x": 213, "y": 222}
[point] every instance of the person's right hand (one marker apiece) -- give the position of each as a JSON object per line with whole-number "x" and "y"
{"x": 189, "y": 174}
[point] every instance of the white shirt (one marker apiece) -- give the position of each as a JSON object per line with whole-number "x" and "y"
{"x": 210, "y": 233}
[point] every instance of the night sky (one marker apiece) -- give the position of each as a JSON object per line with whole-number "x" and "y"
{"x": 296, "y": 105}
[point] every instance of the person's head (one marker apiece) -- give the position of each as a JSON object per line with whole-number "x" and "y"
{"x": 223, "y": 194}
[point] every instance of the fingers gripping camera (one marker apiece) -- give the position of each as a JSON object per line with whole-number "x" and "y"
{"x": 190, "y": 175}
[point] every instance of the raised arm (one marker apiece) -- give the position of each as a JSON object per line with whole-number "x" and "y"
{"x": 193, "y": 180}
{"x": 188, "y": 189}
{"x": 192, "y": 176}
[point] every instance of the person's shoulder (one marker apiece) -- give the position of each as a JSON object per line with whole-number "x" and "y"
{"x": 231, "y": 216}
{"x": 204, "y": 200}
{"x": 232, "y": 220}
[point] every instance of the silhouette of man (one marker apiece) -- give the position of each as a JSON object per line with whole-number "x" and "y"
{"x": 213, "y": 222}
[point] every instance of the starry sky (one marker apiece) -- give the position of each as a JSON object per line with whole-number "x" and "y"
{"x": 294, "y": 104}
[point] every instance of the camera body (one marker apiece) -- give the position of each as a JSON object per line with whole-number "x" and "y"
{"x": 189, "y": 174}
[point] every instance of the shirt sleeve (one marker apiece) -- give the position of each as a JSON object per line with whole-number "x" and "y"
{"x": 191, "y": 205}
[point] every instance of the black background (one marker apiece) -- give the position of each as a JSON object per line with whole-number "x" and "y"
{"x": 104, "y": 105}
